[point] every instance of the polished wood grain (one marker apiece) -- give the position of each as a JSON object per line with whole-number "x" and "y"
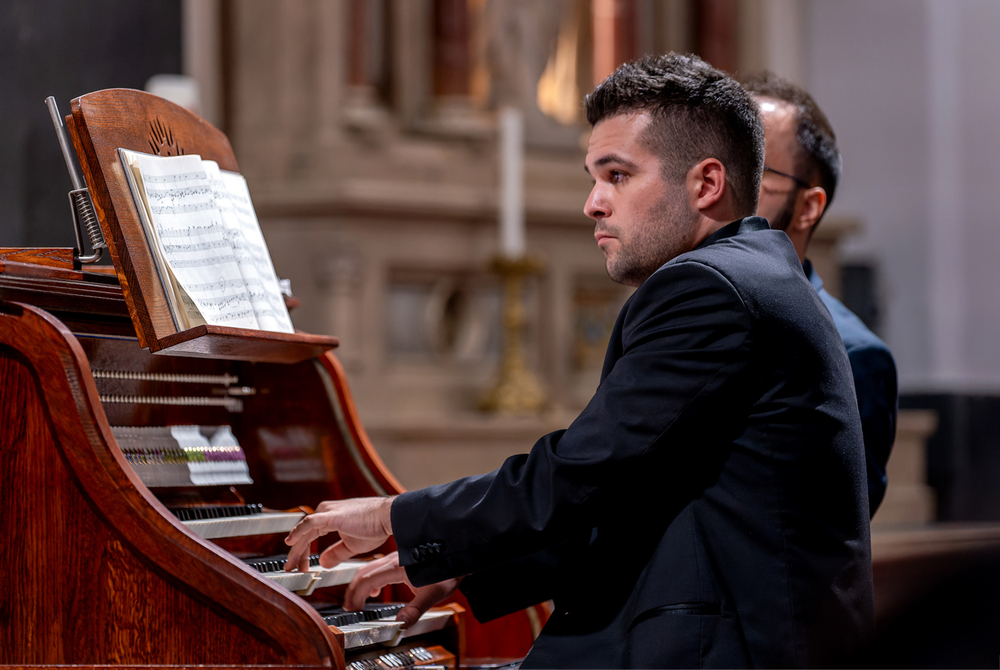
{"x": 304, "y": 443}
{"x": 64, "y": 291}
{"x": 307, "y": 413}
{"x": 208, "y": 341}
{"x": 57, "y": 257}
{"x": 96, "y": 569}
{"x": 71, "y": 294}
{"x": 131, "y": 585}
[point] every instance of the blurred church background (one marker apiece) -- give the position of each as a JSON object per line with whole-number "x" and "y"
{"x": 367, "y": 130}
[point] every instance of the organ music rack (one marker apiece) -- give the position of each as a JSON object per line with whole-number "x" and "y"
{"x": 98, "y": 569}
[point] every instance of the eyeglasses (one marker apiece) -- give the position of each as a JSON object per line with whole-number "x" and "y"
{"x": 799, "y": 182}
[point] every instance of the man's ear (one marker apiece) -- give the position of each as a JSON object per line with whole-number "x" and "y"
{"x": 706, "y": 184}
{"x": 813, "y": 205}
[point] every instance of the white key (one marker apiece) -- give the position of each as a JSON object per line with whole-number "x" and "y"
{"x": 389, "y": 631}
{"x": 293, "y": 581}
{"x": 341, "y": 573}
{"x": 304, "y": 583}
{"x": 240, "y": 526}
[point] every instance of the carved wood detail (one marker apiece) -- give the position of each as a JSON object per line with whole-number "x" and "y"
{"x": 161, "y": 139}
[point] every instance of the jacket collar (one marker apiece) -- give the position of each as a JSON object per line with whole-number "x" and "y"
{"x": 747, "y": 225}
{"x": 812, "y": 275}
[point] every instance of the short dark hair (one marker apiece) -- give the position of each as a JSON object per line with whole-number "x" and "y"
{"x": 698, "y": 112}
{"x": 819, "y": 158}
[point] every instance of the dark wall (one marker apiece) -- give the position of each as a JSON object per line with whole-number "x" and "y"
{"x": 66, "y": 48}
{"x": 963, "y": 456}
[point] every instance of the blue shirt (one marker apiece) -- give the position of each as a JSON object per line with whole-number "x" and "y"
{"x": 874, "y": 383}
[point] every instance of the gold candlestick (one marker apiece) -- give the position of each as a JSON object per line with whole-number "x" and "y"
{"x": 517, "y": 389}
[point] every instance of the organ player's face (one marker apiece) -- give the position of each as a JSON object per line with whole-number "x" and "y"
{"x": 642, "y": 219}
{"x": 779, "y": 196}
{"x": 785, "y": 203}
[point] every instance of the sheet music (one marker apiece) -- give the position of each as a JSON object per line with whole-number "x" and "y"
{"x": 211, "y": 241}
{"x": 251, "y": 252}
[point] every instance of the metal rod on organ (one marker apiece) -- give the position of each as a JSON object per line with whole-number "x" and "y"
{"x": 79, "y": 197}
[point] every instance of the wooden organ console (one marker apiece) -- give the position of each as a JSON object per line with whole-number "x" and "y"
{"x": 148, "y": 475}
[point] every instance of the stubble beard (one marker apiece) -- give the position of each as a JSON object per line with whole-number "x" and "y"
{"x": 666, "y": 232}
{"x": 784, "y": 217}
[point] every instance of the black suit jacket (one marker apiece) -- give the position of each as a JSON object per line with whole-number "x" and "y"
{"x": 708, "y": 507}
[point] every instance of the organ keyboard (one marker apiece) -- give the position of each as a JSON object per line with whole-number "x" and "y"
{"x": 304, "y": 583}
{"x": 151, "y": 467}
{"x": 376, "y": 624}
{"x": 241, "y": 526}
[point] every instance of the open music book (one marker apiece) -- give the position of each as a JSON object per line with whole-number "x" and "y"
{"x": 204, "y": 235}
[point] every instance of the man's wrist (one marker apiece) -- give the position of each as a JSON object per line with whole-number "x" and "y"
{"x": 386, "y": 515}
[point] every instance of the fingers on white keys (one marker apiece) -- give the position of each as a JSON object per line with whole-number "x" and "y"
{"x": 298, "y": 558}
{"x": 337, "y": 552}
{"x": 424, "y": 598}
{"x": 307, "y": 530}
{"x": 357, "y": 591}
{"x": 369, "y": 582}
{"x": 301, "y": 538}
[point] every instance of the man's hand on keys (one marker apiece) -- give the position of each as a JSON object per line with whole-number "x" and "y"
{"x": 369, "y": 581}
{"x": 364, "y": 524}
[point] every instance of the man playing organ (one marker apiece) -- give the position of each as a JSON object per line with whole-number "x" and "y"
{"x": 708, "y": 507}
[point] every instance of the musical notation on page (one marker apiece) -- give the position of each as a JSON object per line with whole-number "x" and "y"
{"x": 204, "y": 230}
{"x": 251, "y": 252}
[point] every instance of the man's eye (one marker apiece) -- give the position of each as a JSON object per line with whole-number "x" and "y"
{"x": 617, "y": 176}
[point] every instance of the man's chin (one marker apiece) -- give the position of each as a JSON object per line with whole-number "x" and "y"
{"x": 625, "y": 278}
{"x": 779, "y": 220}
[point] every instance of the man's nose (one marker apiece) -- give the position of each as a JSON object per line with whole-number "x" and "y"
{"x": 597, "y": 206}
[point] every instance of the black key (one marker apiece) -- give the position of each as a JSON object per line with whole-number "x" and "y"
{"x": 203, "y": 512}
{"x": 275, "y": 563}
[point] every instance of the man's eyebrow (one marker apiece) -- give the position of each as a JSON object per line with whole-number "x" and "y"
{"x": 612, "y": 158}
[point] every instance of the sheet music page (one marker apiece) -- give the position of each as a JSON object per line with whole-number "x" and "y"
{"x": 252, "y": 256}
{"x": 193, "y": 239}
{"x": 186, "y": 314}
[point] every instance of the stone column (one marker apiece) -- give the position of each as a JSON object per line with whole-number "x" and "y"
{"x": 366, "y": 61}
{"x": 339, "y": 278}
{"x": 452, "y": 66}
{"x": 614, "y": 35}
{"x": 716, "y": 33}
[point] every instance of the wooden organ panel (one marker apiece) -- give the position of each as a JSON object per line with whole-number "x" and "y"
{"x": 102, "y": 572}
{"x": 98, "y": 570}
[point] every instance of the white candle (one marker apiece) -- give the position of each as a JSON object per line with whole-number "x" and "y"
{"x": 511, "y": 182}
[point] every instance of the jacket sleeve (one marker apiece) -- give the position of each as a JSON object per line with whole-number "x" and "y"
{"x": 679, "y": 342}
{"x": 516, "y": 584}
{"x": 875, "y": 384}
